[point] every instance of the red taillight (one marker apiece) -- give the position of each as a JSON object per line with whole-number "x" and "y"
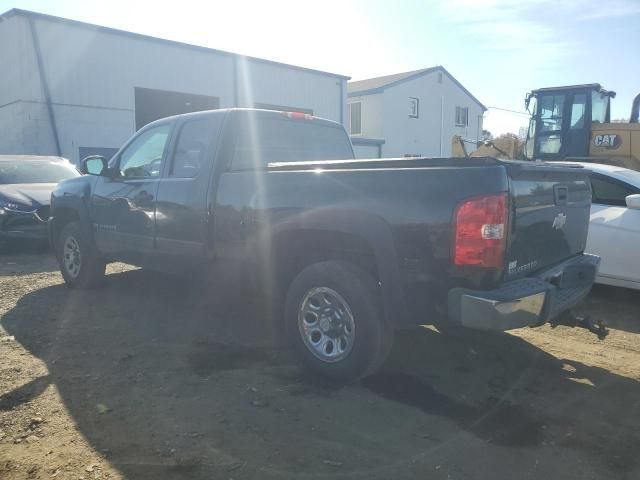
{"x": 480, "y": 231}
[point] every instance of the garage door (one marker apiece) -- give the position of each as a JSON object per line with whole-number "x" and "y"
{"x": 151, "y": 104}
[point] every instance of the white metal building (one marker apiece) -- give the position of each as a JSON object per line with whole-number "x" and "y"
{"x": 412, "y": 114}
{"x": 72, "y": 89}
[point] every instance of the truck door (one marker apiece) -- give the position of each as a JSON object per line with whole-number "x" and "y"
{"x": 549, "y": 121}
{"x": 578, "y": 128}
{"x": 563, "y": 125}
{"x": 182, "y": 213}
{"x": 124, "y": 207}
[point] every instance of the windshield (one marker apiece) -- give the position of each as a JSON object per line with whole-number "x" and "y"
{"x": 35, "y": 171}
{"x": 631, "y": 176}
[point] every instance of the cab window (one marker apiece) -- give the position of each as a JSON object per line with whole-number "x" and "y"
{"x": 578, "y": 109}
{"x": 278, "y": 139}
{"x": 599, "y": 107}
{"x": 551, "y": 112}
{"x": 191, "y": 149}
{"x": 142, "y": 158}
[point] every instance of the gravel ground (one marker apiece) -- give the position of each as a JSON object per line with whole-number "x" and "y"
{"x": 149, "y": 378}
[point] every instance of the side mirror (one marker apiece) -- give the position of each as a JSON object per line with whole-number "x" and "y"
{"x": 94, "y": 165}
{"x": 633, "y": 201}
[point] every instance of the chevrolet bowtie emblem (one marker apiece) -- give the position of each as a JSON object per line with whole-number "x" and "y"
{"x": 559, "y": 221}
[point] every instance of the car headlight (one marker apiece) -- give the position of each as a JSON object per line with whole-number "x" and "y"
{"x": 7, "y": 205}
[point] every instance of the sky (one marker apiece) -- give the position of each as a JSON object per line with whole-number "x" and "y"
{"x": 498, "y": 49}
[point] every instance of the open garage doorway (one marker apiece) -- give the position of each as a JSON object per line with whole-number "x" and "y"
{"x": 151, "y": 104}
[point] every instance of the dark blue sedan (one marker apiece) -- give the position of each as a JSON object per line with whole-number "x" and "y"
{"x": 26, "y": 183}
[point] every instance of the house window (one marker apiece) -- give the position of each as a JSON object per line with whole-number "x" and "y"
{"x": 462, "y": 117}
{"x": 355, "y": 118}
{"x": 414, "y": 105}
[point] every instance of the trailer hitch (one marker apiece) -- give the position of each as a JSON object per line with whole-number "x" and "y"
{"x": 570, "y": 319}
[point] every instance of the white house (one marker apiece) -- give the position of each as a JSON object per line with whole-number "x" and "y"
{"x": 73, "y": 89}
{"x": 412, "y": 114}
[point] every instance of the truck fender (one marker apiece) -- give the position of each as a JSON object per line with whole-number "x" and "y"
{"x": 372, "y": 230}
{"x": 71, "y": 198}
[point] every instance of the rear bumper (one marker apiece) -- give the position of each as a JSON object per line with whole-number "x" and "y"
{"x": 525, "y": 302}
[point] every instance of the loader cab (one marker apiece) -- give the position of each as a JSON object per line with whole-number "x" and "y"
{"x": 561, "y": 120}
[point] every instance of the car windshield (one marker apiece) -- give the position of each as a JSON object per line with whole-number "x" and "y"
{"x": 631, "y": 176}
{"x": 35, "y": 171}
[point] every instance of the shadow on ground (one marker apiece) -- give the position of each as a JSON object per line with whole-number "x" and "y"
{"x": 168, "y": 381}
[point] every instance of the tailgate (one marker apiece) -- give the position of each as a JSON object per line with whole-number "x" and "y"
{"x": 549, "y": 216}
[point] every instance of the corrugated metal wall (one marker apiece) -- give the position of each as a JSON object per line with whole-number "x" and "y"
{"x": 92, "y": 74}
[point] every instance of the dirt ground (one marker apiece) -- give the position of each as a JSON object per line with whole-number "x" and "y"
{"x": 147, "y": 378}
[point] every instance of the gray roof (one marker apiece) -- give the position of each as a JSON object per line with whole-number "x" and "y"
{"x": 379, "y": 84}
{"x": 385, "y": 81}
{"x": 67, "y": 21}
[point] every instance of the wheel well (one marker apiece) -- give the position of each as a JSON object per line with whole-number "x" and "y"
{"x": 63, "y": 216}
{"x": 296, "y": 250}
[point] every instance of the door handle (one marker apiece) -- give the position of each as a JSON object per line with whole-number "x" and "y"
{"x": 561, "y": 194}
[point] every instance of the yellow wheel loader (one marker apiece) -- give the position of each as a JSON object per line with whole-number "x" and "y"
{"x": 573, "y": 123}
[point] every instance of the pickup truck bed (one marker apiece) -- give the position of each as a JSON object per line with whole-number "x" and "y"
{"x": 537, "y": 251}
{"x": 344, "y": 245}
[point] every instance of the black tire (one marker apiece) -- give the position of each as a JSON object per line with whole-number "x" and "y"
{"x": 90, "y": 267}
{"x": 372, "y": 335}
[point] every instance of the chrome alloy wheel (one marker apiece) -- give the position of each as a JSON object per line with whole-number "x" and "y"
{"x": 72, "y": 258}
{"x": 326, "y": 324}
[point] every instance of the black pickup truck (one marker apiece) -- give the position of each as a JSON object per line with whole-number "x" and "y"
{"x": 352, "y": 248}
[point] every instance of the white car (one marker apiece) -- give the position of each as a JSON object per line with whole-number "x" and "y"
{"x": 614, "y": 228}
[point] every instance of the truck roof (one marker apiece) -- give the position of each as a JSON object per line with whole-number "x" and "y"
{"x": 241, "y": 110}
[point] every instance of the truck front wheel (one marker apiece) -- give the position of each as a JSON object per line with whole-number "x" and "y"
{"x": 334, "y": 320}
{"x": 79, "y": 265}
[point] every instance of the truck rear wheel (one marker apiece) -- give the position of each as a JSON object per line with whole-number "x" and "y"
{"x": 334, "y": 320}
{"x": 79, "y": 265}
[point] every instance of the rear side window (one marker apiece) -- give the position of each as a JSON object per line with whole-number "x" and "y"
{"x": 610, "y": 192}
{"x": 191, "y": 148}
{"x": 273, "y": 139}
